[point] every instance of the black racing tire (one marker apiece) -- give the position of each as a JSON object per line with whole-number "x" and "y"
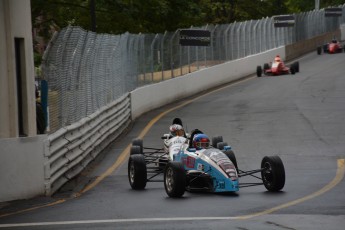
{"x": 296, "y": 66}
{"x": 162, "y": 162}
{"x": 273, "y": 173}
{"x": 319, "y": 50}
{"x": 293, "y": 69}
{"x": 177, "y": 121}
{"x": 137, "y": 171}
{"x": 138, "y": 142}
{"x": 231, "y": 155}
{"x": 216, "y": 140}
{"x": 258, "y": 71}
{"x": 136, "y": 149}
{"x": 325, "y": 48}
{"x": 266, "y": 66}
{"x": 175, "y": 179}
{"x": 221, "y": 145}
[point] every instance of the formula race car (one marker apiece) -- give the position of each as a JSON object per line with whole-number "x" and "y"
{"x": 190, "y": 163}
{"x": 331, "y": 48}
{"x": 277, "y": 67}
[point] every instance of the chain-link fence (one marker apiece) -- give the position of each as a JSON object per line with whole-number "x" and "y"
{"x": 86, "y": 71}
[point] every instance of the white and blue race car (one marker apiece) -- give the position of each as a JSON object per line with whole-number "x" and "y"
{"x": 213, "y": 169}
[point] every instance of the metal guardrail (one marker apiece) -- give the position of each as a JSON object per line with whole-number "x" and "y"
{"x": 72, "y": 148}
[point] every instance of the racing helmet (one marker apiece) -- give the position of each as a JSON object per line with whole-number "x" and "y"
{"x": 201, "y": 141}
{"x": 176, "y": 130}
{"x": 277, "y": 59}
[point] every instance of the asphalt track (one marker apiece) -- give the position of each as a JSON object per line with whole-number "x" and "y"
{"x": 300, "y": 118}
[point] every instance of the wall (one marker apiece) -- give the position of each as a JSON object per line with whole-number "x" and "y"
{"x": 153, "y": 96}
{"x": 299, "y": 48}
{"x": 21, "y": 167}
{"x": 21, "y": 159}
{"x": 15, "y": 22}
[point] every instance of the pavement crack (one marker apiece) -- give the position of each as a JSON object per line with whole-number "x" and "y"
{"x": 279, "y": 225}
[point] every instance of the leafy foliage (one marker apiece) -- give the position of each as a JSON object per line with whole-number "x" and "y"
{"x": 157, "y": 16}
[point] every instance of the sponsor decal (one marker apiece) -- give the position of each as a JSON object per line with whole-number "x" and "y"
{"x": 221, "y": 185}
{"x": 192, "y": 37}
{"x": 284, "y": 20}
{"x": 189, "y": 162}
{"x": 333, "y": 12}
{"x": 223, "y": 162}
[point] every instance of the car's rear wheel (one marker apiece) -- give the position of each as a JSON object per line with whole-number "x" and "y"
{"x": 138, "y": 142}
{"x": 231, "y": 155}
{"x": 273, "y": 173}
{"x": 135, "y": 149}
{"x": 293, "y": 69}
{"x": 221, "y": 145}
{"x": 177, "y": 121}
{"x": 258, "y": 71}
{"x": 137, "y": 171}
{"x": 216, "y": 140}
{"x": 174, "y": 179}
{"x": 266, "y": 66}
{"x": 162, "y": 162}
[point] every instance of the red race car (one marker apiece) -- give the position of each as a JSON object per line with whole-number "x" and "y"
{"x": 331, "y": 48}
{"x": 277, "y": 67}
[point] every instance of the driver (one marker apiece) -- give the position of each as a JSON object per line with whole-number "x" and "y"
{"x": 277, "y": 59}
{"x": 177, "y": 140}
{"x": 177, "y": 130}
{"x": 201, "y": 141}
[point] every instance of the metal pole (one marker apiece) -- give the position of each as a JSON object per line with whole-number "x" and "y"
{"x": 93, "y": 15}
{"x": 171, "y": 54}
{"x": 317, "y": 4}
{"x": 162, "y": 54}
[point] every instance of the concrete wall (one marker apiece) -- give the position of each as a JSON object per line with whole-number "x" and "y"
{"x": 153, "y": 96}
{"x": 21, "y": 159}
{"x": 15, "y": 22}
{"x": 21, "y": 167}
{"x": 299, "y": 48}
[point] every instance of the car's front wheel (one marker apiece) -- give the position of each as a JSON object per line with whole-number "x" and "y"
{"x": 258, "y": 71}
{"x": 273, "y": 173}
{"x": 137, "y": 171}
{"x": 175, "y": 179}
{"x": 319, "y": 50}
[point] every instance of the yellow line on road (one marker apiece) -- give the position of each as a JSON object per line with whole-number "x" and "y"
{"x": 339, "y": 177}
{"x": 33, "y": 208}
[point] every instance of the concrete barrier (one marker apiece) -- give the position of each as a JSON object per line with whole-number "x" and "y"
{"x": 21, "y": 167}
{"x": 153, "y": 96}
{"x": 300, "y": 48}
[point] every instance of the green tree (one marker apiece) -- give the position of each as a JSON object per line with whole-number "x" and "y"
{"x": 295, "y": 6}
